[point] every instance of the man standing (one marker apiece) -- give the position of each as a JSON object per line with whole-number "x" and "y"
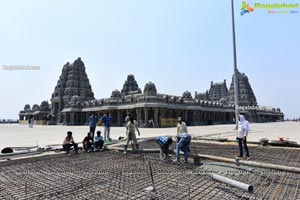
{"x": 132, "y": 126}
{"x": 127, "y": 118}
{"x": 106, "y": 119}
{"x": 242, "y": 135}
{"x": 183, "y": 142}
{"x": 31, "y": 122}
{"x": 93, "y": 120}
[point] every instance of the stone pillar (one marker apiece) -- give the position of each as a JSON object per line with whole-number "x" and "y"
{"x": 195, "y": 117}
{"x": 200, "y": 116}
{"x": 64, "y": 117}
{"x": 81, "y": 118}
{"x": 138, "y": 115}
{"x": 72, "y": 116}
{"x": 163, "y": 112}
{"x": 155, "y": 117}
{"x": 119, "y": 120}
{"x": 170, "y": 113}
{"x": 146, "y": 115}
{"x": 87, "y": 117}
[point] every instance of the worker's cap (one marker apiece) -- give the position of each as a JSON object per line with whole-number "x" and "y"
{"x": 179, "y": 118}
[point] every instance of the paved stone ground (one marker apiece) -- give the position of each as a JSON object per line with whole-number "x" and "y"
{"x": 22, "y": 135}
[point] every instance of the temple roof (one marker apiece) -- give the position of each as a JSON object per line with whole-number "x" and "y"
{"x": 246, "y": 94}
{"x": 130, "y": 86}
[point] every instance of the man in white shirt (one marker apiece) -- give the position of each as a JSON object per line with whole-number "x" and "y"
{"x": 181, "y": 126}
{"x": 132, "y": 126}
{"x": 242, "y": 135}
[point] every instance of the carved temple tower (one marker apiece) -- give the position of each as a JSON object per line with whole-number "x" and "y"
{"x": 218, "y": 91}
{"x": 130, "y": 86}
{"x": 246, "y": 95}
{"x": 73, "y": 81}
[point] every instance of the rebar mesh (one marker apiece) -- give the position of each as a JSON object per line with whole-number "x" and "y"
{"x": 112, "y": 175}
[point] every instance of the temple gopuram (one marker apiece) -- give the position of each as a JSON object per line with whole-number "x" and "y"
{"x": 73, "y": 101}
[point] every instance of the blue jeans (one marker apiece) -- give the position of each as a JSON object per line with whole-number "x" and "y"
{"x": 99, "y": 144}
{"x": 182, "y": 144}
{"x": 243, "y": 142}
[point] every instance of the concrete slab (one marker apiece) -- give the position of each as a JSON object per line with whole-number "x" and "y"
{"x": 22, "y": 135}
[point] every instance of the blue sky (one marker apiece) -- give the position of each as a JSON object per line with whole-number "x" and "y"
{"x": 178, "y": 45}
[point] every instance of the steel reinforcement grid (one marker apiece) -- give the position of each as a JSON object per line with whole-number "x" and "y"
{"x": 112, "y": 175}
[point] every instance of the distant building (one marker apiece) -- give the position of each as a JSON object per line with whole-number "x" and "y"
{"x": 73, "y": 101}
{"x": 246, "y": 94}
{"x": 73, "y": 84}
{"x": 216, "y": 92}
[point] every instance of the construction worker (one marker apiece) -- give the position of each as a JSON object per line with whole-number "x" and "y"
{"x": 132, "y": 126}
{"x": 164, "y": 143}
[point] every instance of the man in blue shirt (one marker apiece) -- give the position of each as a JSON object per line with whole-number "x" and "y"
{"x": 106, "y": 119}
{"x": 98, "y": 141}
{"x": 93, "y": 120}
{"x": 164, "y": 143}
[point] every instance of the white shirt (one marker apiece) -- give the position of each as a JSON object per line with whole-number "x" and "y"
{"x": 243, "y": 127}
{"x": 181, "y": 128}
{"x": 242, "y": 131}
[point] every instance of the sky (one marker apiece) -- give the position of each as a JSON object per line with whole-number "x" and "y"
{"x": 179, "y": 45}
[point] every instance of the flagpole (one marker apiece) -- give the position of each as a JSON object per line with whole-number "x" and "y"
{"x": 236, "y": 95}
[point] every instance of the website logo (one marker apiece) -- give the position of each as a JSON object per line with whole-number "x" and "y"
{"x": 279, "y": 8}
{"x": 246, "y": 8}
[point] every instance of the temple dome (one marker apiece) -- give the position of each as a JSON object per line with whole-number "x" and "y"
{"x": 187, "y": 95}
{"x": 116, "y": 94}
{"x": 130, "y": 86}
{"x": 150, "y": 89}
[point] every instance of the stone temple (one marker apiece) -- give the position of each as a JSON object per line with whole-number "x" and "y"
{"x": 73, "y": 101}
{"x": 73, "y": 85}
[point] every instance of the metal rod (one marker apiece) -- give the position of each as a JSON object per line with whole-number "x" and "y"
{"x": 229, "y": 160}
{"x": 139, "y": 150}
{"x": 233, "y": 183}
{"x": 151, "y": 174}
{"x": 250, "y": 163}
{"x": 236, "y": 95}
